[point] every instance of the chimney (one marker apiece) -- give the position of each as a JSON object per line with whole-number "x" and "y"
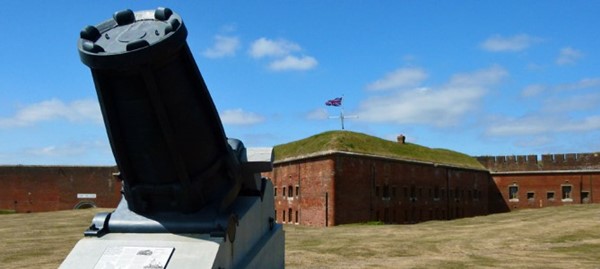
{"x": 401, "y": 139}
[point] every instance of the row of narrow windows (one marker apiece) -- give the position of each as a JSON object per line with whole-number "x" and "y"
{"x": 436, "y": 193}
{"x": 289, "y": 191}
{"x": 566, "y": 194}
{"x": 289, "y": 215}
{"x": 416, "y": 215}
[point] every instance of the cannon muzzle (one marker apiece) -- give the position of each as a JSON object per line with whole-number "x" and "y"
{"x": 163, "y": 127}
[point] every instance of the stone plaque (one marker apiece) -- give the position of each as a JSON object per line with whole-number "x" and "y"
{"x": 86, "y": 196}
{"x": 119, "y": 257}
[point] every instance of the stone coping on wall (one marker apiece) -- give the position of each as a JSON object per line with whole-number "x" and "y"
{"x": 590, "y": 171}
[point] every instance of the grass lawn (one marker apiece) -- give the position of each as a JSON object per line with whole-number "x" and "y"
{"x": 559, "y": 237}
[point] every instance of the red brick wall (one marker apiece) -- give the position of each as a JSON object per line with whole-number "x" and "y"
{"x": 339, "y": 188}
{"x": 312, "y": 204}
{"x": 542, "y": 176}
{"x": 353, "y": 189}
{"x": 469, "y": 192}
{"x": 393, "y": 191}
{"x": 540, "y": 184}
{"x": 49, "y": 188}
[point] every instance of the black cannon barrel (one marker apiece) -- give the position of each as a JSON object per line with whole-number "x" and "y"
{"x": 163, "y": 127}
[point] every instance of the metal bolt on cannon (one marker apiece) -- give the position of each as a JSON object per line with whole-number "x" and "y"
{"x": 192, "y": 198}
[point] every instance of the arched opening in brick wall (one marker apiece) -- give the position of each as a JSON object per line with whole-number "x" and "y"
{"x": 84, "y": 205}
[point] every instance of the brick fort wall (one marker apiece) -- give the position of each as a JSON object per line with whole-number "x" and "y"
{"x": 50, "y": 188}
{"x": 526, "y": 181}
{"x": 338, "y": 188}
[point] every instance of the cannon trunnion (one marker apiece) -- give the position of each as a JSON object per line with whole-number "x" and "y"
{"x": 192, "y": 198}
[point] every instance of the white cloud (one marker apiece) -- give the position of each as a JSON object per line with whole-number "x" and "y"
{"x": 565, "y": 104}
{"x": 293, "y": 63}
{"x": 228, "y": 28}
{"x": 54, "y": 109}
{"x": 532, "y": 90}
{"x": 480, "y": 78}
{"x": 586, "y": 124}
{"x": 534, "y": 125}
{"x": 537, "y": 141}
{"x": 537, "y": 89}
{"x": 585, "y": 83}
{"x": 498, "y": 43}
{"x": 519, "y": 126}
{"x": 438, "y": 107}
{"x": 240, "y": 117}
{"x": 444, "y": 106}
{"x": 318, "y": 114}
{"x": 399, "y": 78}
{"x": 264, "y": 47}
{"x": 568, "y": 56}
{"x": 70, "y": 149}
{"x": 535, "y": 67}
{"x": 224, "y": 46}
{"x": 564, "y": 109}
{"x": 281, "y": 55}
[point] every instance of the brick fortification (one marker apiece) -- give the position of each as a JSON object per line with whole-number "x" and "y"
{"x": 332, "y": 188}
{"x": 50, "y": 188}
{"x": 547, "y": 162}
{"x": 552, "y": 180}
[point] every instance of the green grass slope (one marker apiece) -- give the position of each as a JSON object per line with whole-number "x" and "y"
{"x": 347, "y": 141}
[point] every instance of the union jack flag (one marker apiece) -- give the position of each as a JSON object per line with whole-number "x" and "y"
{"x": 334, "y": 102}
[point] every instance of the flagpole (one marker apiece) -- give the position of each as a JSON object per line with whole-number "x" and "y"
{"x": 342, "y": 117}
{"x": 338, "y": 102}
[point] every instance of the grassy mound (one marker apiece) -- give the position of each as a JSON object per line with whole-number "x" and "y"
{"x": 347, "y": 141}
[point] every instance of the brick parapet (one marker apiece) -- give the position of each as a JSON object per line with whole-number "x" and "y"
{"x": 545, "y": 162}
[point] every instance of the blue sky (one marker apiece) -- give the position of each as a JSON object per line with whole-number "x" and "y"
{"x": 478, "y": 77}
